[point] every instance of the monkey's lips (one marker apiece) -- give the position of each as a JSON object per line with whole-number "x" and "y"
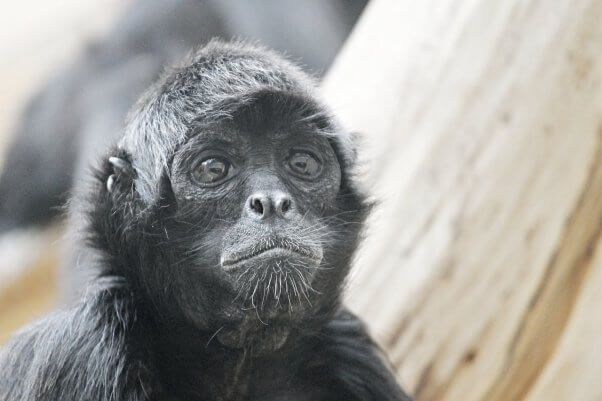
{"x": 271, "y": 251}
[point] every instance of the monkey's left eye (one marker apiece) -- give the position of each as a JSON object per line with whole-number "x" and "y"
{"x": 211, "y": 170}
{"x": 304, "y": 164}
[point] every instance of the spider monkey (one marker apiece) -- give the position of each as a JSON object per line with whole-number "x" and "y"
{"x": 223, "y": 222}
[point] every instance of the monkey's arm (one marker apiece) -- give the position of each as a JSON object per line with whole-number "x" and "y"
{"x": 83, "y": 354}
{"x": 351, "y": 364}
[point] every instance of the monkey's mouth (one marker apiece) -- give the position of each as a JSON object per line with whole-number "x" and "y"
{"x": 272, "y": 250}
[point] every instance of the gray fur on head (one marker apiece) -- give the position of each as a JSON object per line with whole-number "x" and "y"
{"x": 194, "y": 90}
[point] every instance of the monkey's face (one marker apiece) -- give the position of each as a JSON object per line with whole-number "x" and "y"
{"x": 263, "y": 229}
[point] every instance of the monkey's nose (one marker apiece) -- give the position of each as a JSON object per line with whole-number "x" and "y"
{"x": 263, "y": 205}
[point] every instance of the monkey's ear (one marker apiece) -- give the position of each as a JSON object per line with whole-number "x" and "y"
{"x": 121, "y": 169}
{"x": 119, "y": 172}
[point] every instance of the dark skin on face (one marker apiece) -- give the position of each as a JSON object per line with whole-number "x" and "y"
{"x": 268, "y": 190}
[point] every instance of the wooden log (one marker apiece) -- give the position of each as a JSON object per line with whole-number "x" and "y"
{"x": 483, "y": 127}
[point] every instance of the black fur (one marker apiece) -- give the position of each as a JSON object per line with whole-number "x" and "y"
{"x": 165, "y": 318}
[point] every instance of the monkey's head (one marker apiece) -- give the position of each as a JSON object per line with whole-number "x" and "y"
{"x": 230, "y": 201}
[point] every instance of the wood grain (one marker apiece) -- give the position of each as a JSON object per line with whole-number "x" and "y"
{"x": 482, "y": 123}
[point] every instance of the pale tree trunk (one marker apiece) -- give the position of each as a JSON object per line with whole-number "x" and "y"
{"x": 482, "y": 272}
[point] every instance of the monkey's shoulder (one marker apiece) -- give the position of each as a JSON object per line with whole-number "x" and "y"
{"x": 83, "y": 352}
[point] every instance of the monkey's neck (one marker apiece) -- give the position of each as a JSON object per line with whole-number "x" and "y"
{"x": 193, "y": 366}
{"x": 213, "y": 365}
{"x": 255, "y": 337}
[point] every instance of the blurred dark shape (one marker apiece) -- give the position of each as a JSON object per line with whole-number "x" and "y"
{"x": 82, "y": 109}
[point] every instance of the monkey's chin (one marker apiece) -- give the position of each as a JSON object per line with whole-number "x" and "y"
{"x": 272, "y": 285}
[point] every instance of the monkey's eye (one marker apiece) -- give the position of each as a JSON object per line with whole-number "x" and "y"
{"x": 304, "y": 164}
{"x": 211, "y": 170}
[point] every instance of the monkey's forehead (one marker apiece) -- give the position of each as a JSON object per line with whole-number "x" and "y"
{"x": 204, "y": 85}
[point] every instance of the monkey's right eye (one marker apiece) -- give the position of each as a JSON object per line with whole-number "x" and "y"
{"x": 211, "y": 170}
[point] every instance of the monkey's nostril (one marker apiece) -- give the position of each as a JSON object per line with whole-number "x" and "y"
{"x": 257, "y": 205}
{"x": 262, "y": 206}
{"x": 285, "y": 205}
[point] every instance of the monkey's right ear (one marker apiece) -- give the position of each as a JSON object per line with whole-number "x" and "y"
{"x": 120, "y": 174}
{"x": 121, "y": 169}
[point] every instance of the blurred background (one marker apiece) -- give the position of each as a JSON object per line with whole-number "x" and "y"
{"x": 482, "y": 127}
{"x": 37, "y": 41}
